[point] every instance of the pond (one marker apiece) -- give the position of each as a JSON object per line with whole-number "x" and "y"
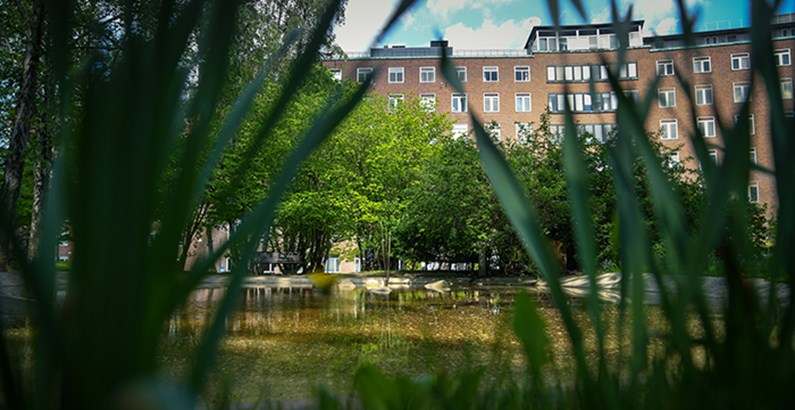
{"x": 287, "y": 338}
{"x": 285, "y": 341}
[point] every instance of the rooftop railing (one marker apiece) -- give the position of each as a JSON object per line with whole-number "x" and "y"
{"x": 406, "y": 52}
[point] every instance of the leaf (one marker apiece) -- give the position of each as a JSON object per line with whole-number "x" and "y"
{"x": 530, "y": 329}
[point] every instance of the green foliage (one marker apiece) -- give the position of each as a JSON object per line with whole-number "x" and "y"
{"x": 139, "y": 142}
{"x": 669, "y": 228}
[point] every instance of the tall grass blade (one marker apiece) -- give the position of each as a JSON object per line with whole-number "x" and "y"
{"x": 259, "y": 220}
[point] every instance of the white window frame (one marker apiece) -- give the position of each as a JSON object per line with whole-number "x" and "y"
{"x": 752, "y": 155}
{"x": 522, "y": 71}
{"x": 395, "y": 100}
{"x": 673, "y": 159}
{"x": 488, "y": 70}
{"x": 707, "y": 126}
{"x": 783, "y": 57}
{"x": 496, "y": 129}
{"x": 666, "y": 125}
{"x": 397, "y": 75}
{"x": 702, "y": 92}
{"x": 332, "y": 265}
{"x": 664, "y": 66}
{"x": 741, "y": 91}
{"x": 427, "y": 74}
{"x": 462, "y": 102}
{"x": 523, "y": 102}
{"x": 460, "y": 131}
{"x": 702, "y": 64}
{"x": 491, "y": 102}
{"x": 741, "y": 61}
{"x": 336, "y": 74}
{"x": 524, "y": 131}
{"x": 786, "y": 88}
{"x": 462, "y": 73}
{"x": 753, "y": 192}
{"x": 751, "y": 123}
{"x": 362, "y": 73}
{"x": 666, "y": 97}
{"x": 712, "y": 154}
{"x": 428, "y": 102}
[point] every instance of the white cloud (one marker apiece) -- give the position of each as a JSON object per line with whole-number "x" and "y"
{"x": 668, "y": 25}
{"x": 443, "y": 8}
{"x": 511, "y": 34}
{"x": 363, "y": 21}
{"x": 658, "y": 10}
{"x": 602, "y": 16}
{"x": 661, "y": 16}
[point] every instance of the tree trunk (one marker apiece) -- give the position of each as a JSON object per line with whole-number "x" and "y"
{"x": 20, "y": 133}
{"x": 41, "y": 177}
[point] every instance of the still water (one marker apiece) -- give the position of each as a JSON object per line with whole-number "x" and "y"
{"x": 284, "y": 342}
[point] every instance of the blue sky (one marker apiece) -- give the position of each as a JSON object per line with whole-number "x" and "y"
{"x": 505, "y": 24}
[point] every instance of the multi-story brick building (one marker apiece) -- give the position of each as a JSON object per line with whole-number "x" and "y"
{"x": 512, "y": 88}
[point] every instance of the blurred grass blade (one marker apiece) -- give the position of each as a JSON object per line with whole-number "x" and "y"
{"x": 258, "y": 223}
{"x": 582, "y": 224}
{"x": 393, "y": 19}
{"x": 530, "y": 329}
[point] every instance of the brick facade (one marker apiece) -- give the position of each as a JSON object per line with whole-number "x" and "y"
{"x": 721, "y": 52}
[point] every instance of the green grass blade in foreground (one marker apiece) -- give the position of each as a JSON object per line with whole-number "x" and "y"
{"x": 393, "y": 19}
{"x": 531, "y": 330}
{"x": 298, "y": 73}
{"x": 524, "y": 220}
{"x": 227, "y": 132}
{"x": 579, "y": 200}
{"x": 258, "y": 222}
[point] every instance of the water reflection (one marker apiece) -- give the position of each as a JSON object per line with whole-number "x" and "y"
{"x": 289, "y": 339}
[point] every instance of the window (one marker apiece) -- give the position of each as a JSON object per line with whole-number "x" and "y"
{"x": 495, "y": 131}
{"x": 706, "y": 125}
{"x": 583, "y": 102}
{"x": 751, "y": 123}
{"x": 668, "y": 130}
{"x": 782, "y": 57}
{"x": 336, "y": 73}
{"x": 523, "y": 102}
{"x": 753, "y": 155}
{"x": 491, "y": 102}
{"x": 672, "y": 160}
{"x": 428, "y": 102}
{"x": 633, "y": 95}
{"x": 395, "y": 74}
{"x": 427, "y": 74}
{"x": 586, "y": 73}
{"x": 459, "y": 103}
{"x": 460, "y": 131}
{"x": 491, "y": 74}
{"x": 628, "y": 70}
{"x": 395, "y": 101}
{"x": 742, "y": 92}
{"x": 462, "y": 73}
{"x": 665, "y": 67}
{"x": 704, "y": 94}
{"x": 521, "y": 74}
{"x": 666, "y": 97}
{"x": 524, "y": 132}
{"x": 713, "y": 156}
{"x": 741, "y": 61}
{"x": 786, "y": 88}
{"x": 362, "y": 74}
{"x": 332, "y": 265}
{"x": 702, "y": 65}
{"x": 753, "y": 193}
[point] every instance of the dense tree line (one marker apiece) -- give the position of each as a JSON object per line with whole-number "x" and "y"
{"x": 29, "y": 96}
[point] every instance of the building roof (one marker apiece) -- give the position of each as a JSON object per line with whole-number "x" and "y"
{"x": 536, "y": 29}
